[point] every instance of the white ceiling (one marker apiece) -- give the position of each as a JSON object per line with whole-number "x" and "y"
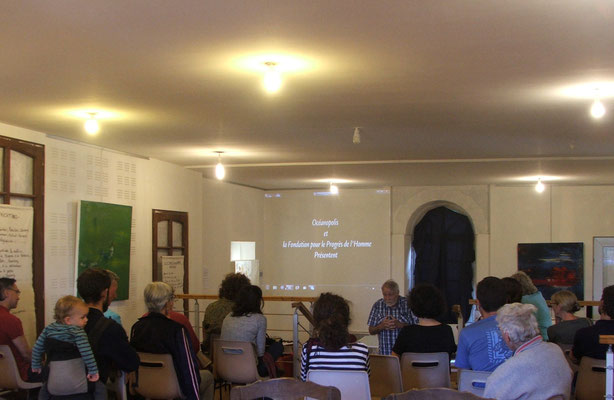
{"x": 446, "y": 91}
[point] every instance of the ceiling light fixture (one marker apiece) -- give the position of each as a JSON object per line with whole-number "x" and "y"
{"x": 539, "y": 187}
{"x": 597, "y": 108}
{"x": 334, "y": 189}
{"x": 220, "y": 171}
{"x": 272, "y": 77}
{"x": 91, "y": 124}
{"x": 356, "y": 137}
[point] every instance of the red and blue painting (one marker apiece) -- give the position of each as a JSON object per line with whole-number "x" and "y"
{"x": 553, "y": 266}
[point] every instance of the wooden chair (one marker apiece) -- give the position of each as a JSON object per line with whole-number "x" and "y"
{"x": 157, "y": 378}
{"x": 425, "y": 370}
{"x": 353, "y": 385}
{"x": 385, "y": 375}
{"x": 235, "y": 361}
{"x": 472, "y": 381}
{"x": 591, "y": 379}
{"x": 433, "y": 394}
{"x": 9, "y": 377}
{"x": 285, "y": 389}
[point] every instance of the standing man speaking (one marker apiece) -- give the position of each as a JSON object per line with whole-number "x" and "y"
{"x": 388, "y": 315}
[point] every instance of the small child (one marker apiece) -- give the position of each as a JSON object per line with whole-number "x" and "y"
{"x": 71, "y": 317}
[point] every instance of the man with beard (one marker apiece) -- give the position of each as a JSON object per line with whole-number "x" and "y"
{"x": 112, "y": 347}
{"x": 388, "y": 315}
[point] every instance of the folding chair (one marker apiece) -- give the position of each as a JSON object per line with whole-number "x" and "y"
{"x": 285, "y": 389}
{"x": 425, "y": 370}
{"x": 472, "y": 381}
{"x": 353, "y": 385}
{"x": 157, "y": 378}
{"x": 10, "y": 378}
{"x": 385, "y": 375}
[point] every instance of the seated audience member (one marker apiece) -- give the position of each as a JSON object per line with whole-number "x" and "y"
{"x": 11, "y": 329}
{"x": 62, "y": 338}
{"x": 112, "y": 350}
{"x": 428, "y": 335}
{"x": 480, "y": 345}
{"x": 564, "y": 303}
{"x": 388, "y": 315}
{"x": 331, "y": 349}
{"x": 247, "y": 324}
{"x": 157, "y": 333}
{"x": 530, "y": 295}
{"x": 219, "y": 309}
{"x": 537, "y": 370}
{"x": 586, "y": 340}
{"x": 513, "y": 290}
{"x": 112, "y": 296}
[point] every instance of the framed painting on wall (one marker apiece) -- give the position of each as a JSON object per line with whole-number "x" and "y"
{"x": 553, "y": 266}
{"x": 103, "y": 234}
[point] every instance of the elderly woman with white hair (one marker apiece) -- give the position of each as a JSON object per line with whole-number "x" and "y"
{"x": 537, "y": 370}
{"x": 157, "y": 333}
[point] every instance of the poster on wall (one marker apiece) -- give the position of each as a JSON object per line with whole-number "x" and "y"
{"x": 172, "y": 272}
{"x": 16, "y": 260}
{"x": 554, "y": 266}
{"x": 103, "y": 240}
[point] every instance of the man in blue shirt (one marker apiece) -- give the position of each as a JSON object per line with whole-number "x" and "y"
{"x": 388, "y": 315}
{"x": 480, "y": 345}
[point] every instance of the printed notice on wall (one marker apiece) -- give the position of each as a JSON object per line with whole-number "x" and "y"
{"x": 16, "y": 260}
{"x": 172, "y": 272}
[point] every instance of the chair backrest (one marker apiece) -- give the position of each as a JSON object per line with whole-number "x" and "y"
{"x": 157, "y": 378}
{"x": 117, "y": 384}
{"x": 354, "y": 385}
{"x": 591, "y": 379}
{"x": 425, "y": 370}
{"x": 10, "y": 378}
{"x": 385, "y": 375}
{"x": 235, "y": 361}
{"x": 284, "y": 389}
{"x": 472, "y": 381}
{"x": 433, "y": 393}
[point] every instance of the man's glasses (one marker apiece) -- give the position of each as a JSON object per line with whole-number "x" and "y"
{"x": 14, "y": 290}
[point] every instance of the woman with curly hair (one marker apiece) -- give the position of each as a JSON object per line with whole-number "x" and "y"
{"x": 332, "y": 348}
{"x": 428, "y": 335}
{"x": 219, "y": 309}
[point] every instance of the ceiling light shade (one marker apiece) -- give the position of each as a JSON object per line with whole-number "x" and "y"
{"x": 356, "y": 137}
{"x": 539, "y": 187}
{"x": 91, "y": 125}
{"x": 334, "y": 189}
{"x": 272, "y": 78}
{"x": 220, "y": 171}
{"x": 597, "y": 109}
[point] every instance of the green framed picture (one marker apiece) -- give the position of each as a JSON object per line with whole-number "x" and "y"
{"x": 103, "y": 235}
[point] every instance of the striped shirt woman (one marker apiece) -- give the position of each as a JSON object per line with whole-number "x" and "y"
{"x": 352, "y": 357}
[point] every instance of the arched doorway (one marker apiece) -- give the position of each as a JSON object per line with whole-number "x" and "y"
{"x": 441, "y": 251}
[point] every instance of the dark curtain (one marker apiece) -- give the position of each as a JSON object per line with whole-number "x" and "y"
{"x": 443, "y": 242}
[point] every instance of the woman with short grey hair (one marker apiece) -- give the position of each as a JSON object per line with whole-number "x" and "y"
{"x": 158, "y": 295}
{"x": 157, "y": 333}
{"x": 530, "y": 295}
{"x": 537, "y": 370}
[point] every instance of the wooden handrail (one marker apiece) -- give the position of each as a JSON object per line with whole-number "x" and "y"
{"x": 305, "y": 311}
{"x": 265, "y": 298}
{"x": 582, "y": 303}
{"x": 606, "y": 339}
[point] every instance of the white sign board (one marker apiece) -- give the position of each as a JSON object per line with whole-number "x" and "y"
{"x": 16, "y": 260}
{"x": 172, "y": 272}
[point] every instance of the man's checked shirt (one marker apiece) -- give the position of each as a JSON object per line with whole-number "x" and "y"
{"x": 401, "y": 312}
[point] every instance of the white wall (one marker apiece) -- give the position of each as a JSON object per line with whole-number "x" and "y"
{"x": 76, "y": 172}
